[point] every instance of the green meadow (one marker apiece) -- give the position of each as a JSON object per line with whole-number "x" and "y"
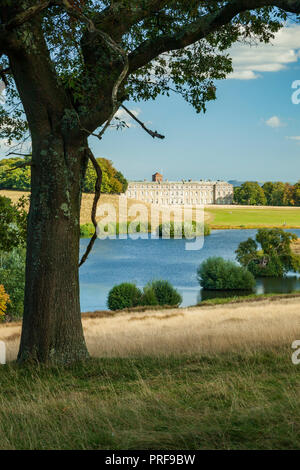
{"x": 246, "y": 400}
{"x": 253, "y": 217}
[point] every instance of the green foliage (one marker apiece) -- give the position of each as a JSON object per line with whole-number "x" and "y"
{"x": 112, "y": 228}
{"x": 190, "y": 71}
{"x": 112, "y": 180}
{"x": 13, "y": 223}
{"x": 127, "y": 295}
{"x": 246, "y": 252}
{"x": 124, "y": 295}
{"x": 250, "y": 193}
{"x": 19, "y": 178}
{"x": 218, "y": 274}
{"x": 177, "y": 230}
{"x": 266, "y": 267}
{"x": 161, "y": 293}
{"x": 149, "y": 297}
{"x": 12, "y": 276}
{"x": 279, "y": 194}
{"x": 87, "y": 230}
{"x": 270, "y": 194}
{"x": 274, "y": 259}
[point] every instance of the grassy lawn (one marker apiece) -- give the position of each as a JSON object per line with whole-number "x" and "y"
{"x": 247, "y": 400}
{"x": 253, "y": 217}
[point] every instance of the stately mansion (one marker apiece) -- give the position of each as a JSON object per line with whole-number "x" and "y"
{"x": 182, "y": 192}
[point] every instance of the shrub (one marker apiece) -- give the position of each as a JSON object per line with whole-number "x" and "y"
{"x": 12, "y": 276}
{"x": 219, "y": 274}
{"x": 87, "y": 230}
{"x": 164, "y": 293}
{"x": 124, "y": 295}
{"x": 4, "y": 300}
{"x": 149, "y": 297}
{"x": 273, "y": 267}
{"x": 177, "y": 230}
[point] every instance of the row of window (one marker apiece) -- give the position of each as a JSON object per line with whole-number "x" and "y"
{"x": 173, "y": 193}
{"x": 180, "y": 185}
{"x": 180, "y": 201}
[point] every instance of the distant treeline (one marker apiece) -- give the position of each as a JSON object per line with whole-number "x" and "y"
{"x": 113, "y": 180}
{"x": 269, "y": 194}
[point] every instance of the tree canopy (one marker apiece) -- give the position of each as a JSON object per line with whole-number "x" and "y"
{"x": 250, "y": 193}
{"x": 14, "y": 175}
{"x": 13, "y": 224}
{"x": 166, "y": 45}
{"x": 275, "y": 256}
{"x": 270, "y": 194}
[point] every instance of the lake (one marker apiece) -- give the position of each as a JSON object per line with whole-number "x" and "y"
{"x": 115, "y": 261}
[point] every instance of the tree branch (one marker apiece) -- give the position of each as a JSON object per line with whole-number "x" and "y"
{"x": 200, "y": 28}
{"x": 152, "y": 133}
{"x": 117, "y": 19}
{"x": 95, "y": 203}
{"x": 24, "y": 16}
{"x": 22, "y": 165}
{"x": 116, "y": 47}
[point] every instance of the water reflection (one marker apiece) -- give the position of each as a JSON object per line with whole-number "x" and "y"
{"x": 140, "y": 261}
{"x": 264, "y": 285}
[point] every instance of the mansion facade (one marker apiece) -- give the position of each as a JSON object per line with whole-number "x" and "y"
{"x": 183, "y": 192}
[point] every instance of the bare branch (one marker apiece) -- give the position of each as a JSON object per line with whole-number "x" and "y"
{"x": 152, "y": 133}
{"x": 22, "y": 165}
{"x": 95, "y": 202}
{"x": 19, "y": 154}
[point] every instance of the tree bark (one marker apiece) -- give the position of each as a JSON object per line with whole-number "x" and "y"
{"x": 52, "y": 330}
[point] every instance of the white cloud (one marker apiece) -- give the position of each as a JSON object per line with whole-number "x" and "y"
{"x": 122, "y": 115}
{"x": 249, "y": 61}
{"x": 274, "y": 122}
{"x": 294, "y": 137}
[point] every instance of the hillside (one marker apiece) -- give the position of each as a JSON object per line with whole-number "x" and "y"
{"x": 87, "y": 201}
{"x": 218, "y": 217}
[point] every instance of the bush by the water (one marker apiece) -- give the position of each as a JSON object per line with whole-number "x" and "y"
{"x": 219, "y": 274}
{"x": 111, "y": 229}
{"x": 178, "y": 230}
{"x": 124, "y": 295}
{"x": 128, "y": 295}
{"x": 269, "y": 254}
{"x": 161, "y": 293}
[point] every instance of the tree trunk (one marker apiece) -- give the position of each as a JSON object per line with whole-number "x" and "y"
{"x": 52, "y": 330}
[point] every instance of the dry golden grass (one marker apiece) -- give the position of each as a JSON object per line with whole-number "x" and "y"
{"x": 224, "y": 328}
{"x": 112, "y": 199}
{"x": 87, "y": 201}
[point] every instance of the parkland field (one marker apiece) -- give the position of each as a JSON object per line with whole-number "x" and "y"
{"x": 233, "y": 217}
{"x": 218, "y": 217}
{"x": 212, "y": 377}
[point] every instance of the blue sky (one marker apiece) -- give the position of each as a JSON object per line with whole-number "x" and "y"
{"x": 251, "y": 132}
{"x": 245, "y": 134}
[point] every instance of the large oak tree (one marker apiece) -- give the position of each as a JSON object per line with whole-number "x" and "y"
{"x": 68, "y": 65}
